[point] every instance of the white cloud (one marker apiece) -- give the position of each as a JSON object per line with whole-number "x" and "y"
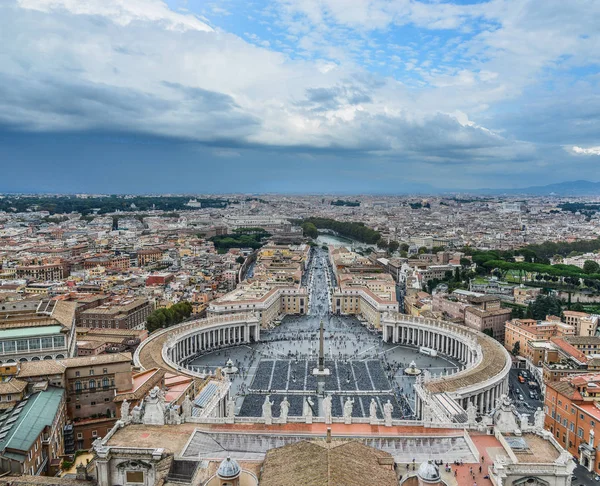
{"x": 165, "y": 73}
{"x": 122, "y": 12}
{"x": 584, "y": 150}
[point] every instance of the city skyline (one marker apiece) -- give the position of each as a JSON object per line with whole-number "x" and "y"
{"x": 281, "y": 96}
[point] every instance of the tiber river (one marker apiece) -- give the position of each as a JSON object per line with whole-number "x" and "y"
{"x": 324, "y": 239}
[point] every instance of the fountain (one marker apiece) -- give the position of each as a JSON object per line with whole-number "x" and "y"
{"x": 412, "y": 369}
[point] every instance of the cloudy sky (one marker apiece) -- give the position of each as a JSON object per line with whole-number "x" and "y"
{"x": 297, "y": 95}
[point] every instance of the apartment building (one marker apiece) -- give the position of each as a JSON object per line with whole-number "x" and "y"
{"x": 585, "y": 324}
{"x": 492, "y": 321}
{"x": 148, "y": 256}
{"x": 572, "y": 408}
{"x": 524, "y": 331}
{"x": 33, "y": 446}
{"x": 266, "y": 301}
{"x": 91, "y": 383}
{"x": 34, "y": 330}
{"x": 362, "y": 289}
{"x": 129, "y": 313}
{"x": 56, "y": 270}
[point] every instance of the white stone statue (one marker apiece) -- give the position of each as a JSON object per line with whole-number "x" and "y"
{"x": 388, "y": 408}
{"x": 327, "y": 409}
{"x": 125, "y": 411}
{"x": 230, "y": 408}
{"x": 284, "y": 408}
{"x": 471, "y": 413}
{"x": 186, "y": 407}
{"x": 154, "y": 408}
{"x": 538, "y": 418}
{"x": 307, "y": 411}
{"x": 172, "y": 416}
{"x": 348, "y": 406}
{"x": 136, "y": 415}
{"x": 266, "y": 410}
{"x": 373, "y": 410}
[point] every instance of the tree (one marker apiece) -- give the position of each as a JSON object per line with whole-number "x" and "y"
{"x": 382, "y": 244}
{"x": 422, "y": 250}
{"x": 516, "y": 313}
{"x": 578, "y": 307}
{"x": 545, "y": 305}
{"x": 516, "y": 348}
{"x": 240, "y": 260}
{"x": 310, "y": 230}
{"x": 404, "y": 247}
{"x": 590, "y": 266}
{"x": 489, "y": 332}
{"x": 393, "y": 246}
{"x": 465, "y": 262}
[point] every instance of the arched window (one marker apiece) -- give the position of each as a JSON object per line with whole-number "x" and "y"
{"x": 105, "y": 382}
{"x": 92, "y": 384}
{"x": 77, "y": 386}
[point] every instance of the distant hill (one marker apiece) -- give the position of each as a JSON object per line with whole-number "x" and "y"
{"x": 570, "y": 188}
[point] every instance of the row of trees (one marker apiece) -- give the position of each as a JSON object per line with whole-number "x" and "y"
{"x": 167, "y": 317}
{"x": 341, "y": 202}
{"x": 571, "y": 272}
{"x": 241, "y": 238}
{"x": 356, "y": 231}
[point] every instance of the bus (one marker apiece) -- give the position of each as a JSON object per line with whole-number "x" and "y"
{"x": 427, "y": 351}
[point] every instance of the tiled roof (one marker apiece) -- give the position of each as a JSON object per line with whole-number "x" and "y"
{"x": 12, "y": 386}
{"x": 50, "y": 367}
{"x": 318, "y": 463}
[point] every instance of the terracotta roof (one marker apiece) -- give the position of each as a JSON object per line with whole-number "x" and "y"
{"x": 64, "y": 312}
{"x": 318, "y": 463}
{"x": 566, "y": 389}
{"x": 52, "y": 367}
{"x": 569, "y": 349}
{"x": 143, "y": 383}
{"x": 582, "y": 340}
{"x": 12, "y": 386}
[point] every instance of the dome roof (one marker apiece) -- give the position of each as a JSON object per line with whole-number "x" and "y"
{"x": 429, "y": 472}
{"x": 229, "y": 469}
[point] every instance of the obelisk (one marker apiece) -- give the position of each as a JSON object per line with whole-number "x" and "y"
{"x": 320, "y": 372}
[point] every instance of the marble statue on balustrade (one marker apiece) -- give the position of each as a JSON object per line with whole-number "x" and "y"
{"x": 307, "y": 410}
{"x": 267, "y": 413}
{"x": 471, "y": 413}
{"x": 505, "y": 416}
{"x": 230, "y": 410}
{"x": 125, "y": 411}
{"x": 186, "y": 408}
{"x": 373, "y": 411}
{"x": 348, "y": 406}
{"x": 136, "y": 414}
{"x": 327, "y": 409}
{"x": 284, "y": 409}
{"x": 172, "y": 416}
{"x": 538, "y": 417}
{"x": 388, "y": 408}
{"x": 154, "y": 408}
